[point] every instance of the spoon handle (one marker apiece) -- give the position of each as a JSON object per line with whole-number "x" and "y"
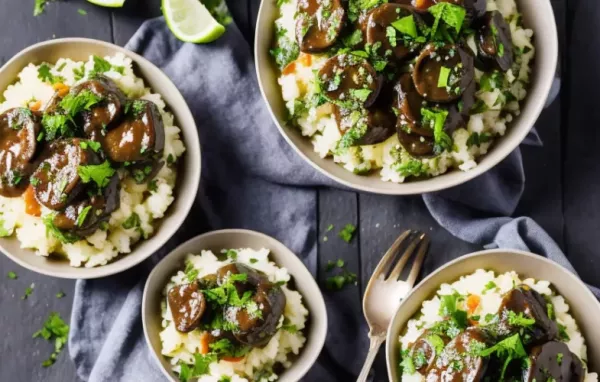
{"x": 373, "y": 349}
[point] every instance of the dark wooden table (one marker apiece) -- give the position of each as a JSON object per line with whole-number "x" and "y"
{"x": 554, "y": 196}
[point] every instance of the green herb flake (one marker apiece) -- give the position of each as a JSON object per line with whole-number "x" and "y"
{"x": 51, "y": 229}
{"x": 100, "y": 173}
{"x": 508, "y": 349}
{"x": 436, "y": 120}
{"x": 82, "y": 216}
{"x": 12, "y": 275}
{"x": 28, "y": 292}
{"x": 520, "y": 320}
{"x": 443, "y": 78}
{"x": 407, "y": 365}
{"x": 329, "y": 228}
{"x": 39, "y": 6}
{"x": 347, "y": 233}
{"x": 451, "y": 14}
{"x": 60, "y": 294}
{"x": 82, "y": 12}
{"x": 489, "y": 286}
{"x": 133, "y": 221}
{"x": 406, "y": 25}
{"x": 54, "y": 329}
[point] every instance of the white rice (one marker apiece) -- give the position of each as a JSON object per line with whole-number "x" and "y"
{"x": 387, "y": 157}
{"x": 102, "y": 246}
{"x": 491, "y": 299}
{"x": 180, "y": 347}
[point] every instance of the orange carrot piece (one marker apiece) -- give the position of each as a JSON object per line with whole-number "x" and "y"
{"x": 35, "y": 106}
{"x": 32, "y": 207}
{"x": 473, "y": 302}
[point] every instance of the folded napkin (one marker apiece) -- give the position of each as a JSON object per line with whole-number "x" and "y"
{"x": 251, "y": 178}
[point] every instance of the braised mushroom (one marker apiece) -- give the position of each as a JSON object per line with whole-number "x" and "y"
{"x": 378, "y": 31}
{"x": 380, "y": 124}
{"x": 140, "y": 137}
{"x": 553, "y": 361}
{"x": 101, "y": 117}
{"x": 350, "y": 81}
{"x": 255, "y": 326}
{"x": 83, "y": 217}
{"x": 416, "y": 139}
{"x": 19, "y": 148}
{"x": 57, "y": 180}
{"x": 457, "y": 362}
{"x": 318, "y": 24}
{"x": 426, "y": 349}
{"x": 526, "y": 301}
{"x": 187, "y": 305}
{"x": 494, "y": 42}
{"x": 442, "y": 74}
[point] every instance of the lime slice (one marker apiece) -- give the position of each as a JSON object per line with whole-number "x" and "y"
{"x": 108, "y": 3}
{"x": 190, "y": 21}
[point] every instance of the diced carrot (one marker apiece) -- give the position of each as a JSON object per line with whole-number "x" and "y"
{"x": 232, "y": 359}
{"x": 422, "y": 4}
{"x": 61, "y": 88}
{"x": 305, "y": 59}
{"x": 289, "y": 68}
{"x": 32, "y": 207}
{"x": 35, "y": 106}
{"x": 473, "y": 302}
{"x": 204, "y": 342}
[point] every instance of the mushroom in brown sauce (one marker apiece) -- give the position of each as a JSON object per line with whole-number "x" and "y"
{"x": 319, "y": 24}
{"x": 494, "y": 42}
{"x": 187, "y": 305}
{"x": 553, "y": 361}
{"x": 19, "y": 149}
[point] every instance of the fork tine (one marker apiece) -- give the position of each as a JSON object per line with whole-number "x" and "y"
{"x": 395, "y": 273}
{"x": 416, "y": 268}
{"x": 385, "y": 262}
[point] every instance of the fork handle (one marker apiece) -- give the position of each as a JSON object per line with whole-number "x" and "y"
{"x": 373, "y": 349}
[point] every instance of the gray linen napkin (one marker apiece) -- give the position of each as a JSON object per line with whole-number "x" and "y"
{"x": 252, "y": 179}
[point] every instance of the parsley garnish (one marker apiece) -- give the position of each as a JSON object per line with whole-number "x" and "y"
{"x": 39, "y": 6}
{"x": 347, "y": 233}
{"x": 82, "y": 12}
{"x": 507, "y": 349}
{"x": 28, "y": 292}
{"x": 490, "y": 285}
{"x": 407, "y": 26}
{"x": 54, "y": 328}
{"x": 64, "y": 237}
{"x": 45, "y": 75}
{"x": 12, "y": 275}
{"x": 550, "y": 311}
{"x": 82, "y": 216}
{"x": 562, "y": 333}
{"x": 286, "y": 50}
{"x": 98, "y": 173}
{"x": 443, "y": 78}
{"x": 451, "y": 14}
{"x": 436, "y": 120}
{"x": 520, "y": 320}
{"x": 407, "y": 365}
{"x": 60, "y": 294}
{"x": 133, "y": 221}
{"x": 95, "y": 146}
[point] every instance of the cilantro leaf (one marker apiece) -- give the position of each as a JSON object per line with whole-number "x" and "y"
{"x": 520, "y": 320}
{"x": 347, "y": 233}
{"x": 436, "y": 120}
{"x": 54, "y": 329}
{"x": 407, "y": 26}
{"x": 98, "y": 173}
{"x": 12, "y": 275}
{"x": 64, "y": 237}
{"x": 451, "y": 14}
{"x": 508, "y": 349}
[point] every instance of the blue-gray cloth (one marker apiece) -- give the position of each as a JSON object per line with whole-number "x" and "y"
{"x": 251, "y": 178}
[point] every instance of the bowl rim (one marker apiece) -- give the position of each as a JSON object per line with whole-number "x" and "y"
{"x": 192, "y": 148}
{"x": 493, "y": 157}
{"x": 307, "y": 281}
{"x": 391, "y": 343}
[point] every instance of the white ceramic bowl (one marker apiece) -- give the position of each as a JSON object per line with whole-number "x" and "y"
{"x": 537, "y": 15}
{"x": 583, "y": 305}
{"x": 227, "y": 239}
{"x": 188, "y": 175}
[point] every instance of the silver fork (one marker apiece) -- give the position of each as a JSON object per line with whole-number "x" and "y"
{"x": 384, "y": 292}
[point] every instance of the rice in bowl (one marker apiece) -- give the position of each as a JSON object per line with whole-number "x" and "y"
{"x": 497, "y": 100}
{"x": 144, "y": 193}
{"x": 209, "y": 346}
{"x": 517, "y": 329}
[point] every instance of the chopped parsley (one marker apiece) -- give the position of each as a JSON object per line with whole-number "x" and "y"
{"x": 39, "y": 6}
{"x": 329, "y": 228}
{"x": 286, "y": 50}
{"x": 100, "y": 66}
{"x": 451, "y": 14}
{"x": 51, "y": 229}
{"x": 191, "y": 273}
{"x": 562, "y": 332}
{"x": 476, "y": 139}
{"x": 12, "y": 275}
{"x": 95, "y": 146}
{"x": 347, "y": 233}
{"x": 489, "y": 286}
{"x": 406, "y": 25}
{"x": 133, "y": 221}
{"x": 54, "y": 329}
{"x": 62, "y": 122}
{"x": 82, "y": 12}
{"x": 550, "y": 311}
{"x": 509, "y": 349}
{"x": 60, "y": 294}
{"x": 520, "y": 320}
{"x": 28, "y": 292}
{"x": 407, "y": 365}
{"x": 201, "y": 366}
{"x": 436, "y": 119}
{"x": 98, "y": 173}
{"x": 443, "y": 78}
{"x": 82, "y": 216}
{"x": 491, "y": 81}
{"x": 412, "y": 168}
{"x": 45, "y": 75}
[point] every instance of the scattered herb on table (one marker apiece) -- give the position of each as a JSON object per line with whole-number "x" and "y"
{"x": 39, "y": 6}
{"x": 60, "y": 294}
{"x": 340, "y": 280}
{"x": 347, "y": 233}
{"x": 329, "y": 228}
{"x": 54, "y": 329}
{"x": 28, "y": 291}
{"x": 82, "y": 12}
{"x": 12, "y": 275}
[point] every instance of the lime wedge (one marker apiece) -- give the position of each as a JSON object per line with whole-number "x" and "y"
{"x": 190, "y": 21}
{"x": 108, "y": 3}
